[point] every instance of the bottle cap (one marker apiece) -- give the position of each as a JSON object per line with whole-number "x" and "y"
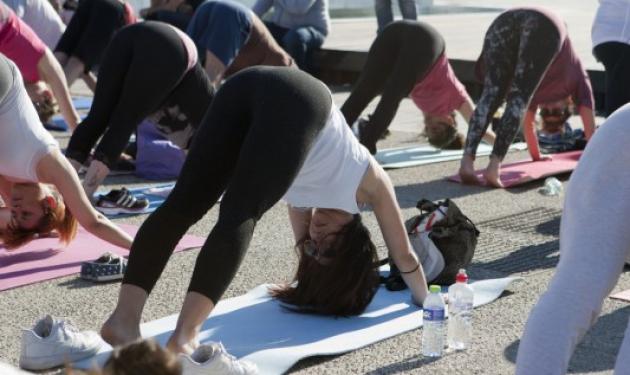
{"x": 435, "y": 289}
{"x": 461, "y": 277}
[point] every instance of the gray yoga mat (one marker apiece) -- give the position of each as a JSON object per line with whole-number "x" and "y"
{"x": 257, "y": 328}
{"x": 404, "y": 157}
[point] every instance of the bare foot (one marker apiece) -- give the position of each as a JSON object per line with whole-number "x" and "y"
{"x": 117, "y": 332}
{"x": 467, "y": 171}
{"x": 180, "y": 345}
{"x": 492, "y": 174}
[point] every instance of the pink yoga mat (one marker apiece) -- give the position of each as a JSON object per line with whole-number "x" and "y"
{"x": 518, "y": 173}
{"x": 46, "y": 259}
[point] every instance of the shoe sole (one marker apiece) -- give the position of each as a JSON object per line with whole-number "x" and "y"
{"x": 113, "y": 211}
{"x": 108, "y": 278}
{"x": 45, "y": 362}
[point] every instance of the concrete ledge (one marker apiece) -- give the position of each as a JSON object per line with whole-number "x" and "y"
{"x": 340, "y": 67}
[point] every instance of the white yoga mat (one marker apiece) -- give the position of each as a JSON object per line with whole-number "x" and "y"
{"x": 404, "y": 157}
{"x": 257, "y": 328}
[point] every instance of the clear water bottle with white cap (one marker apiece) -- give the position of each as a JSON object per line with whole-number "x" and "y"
{"x": 433, "y": 321}
{"x": 460, "y": 306}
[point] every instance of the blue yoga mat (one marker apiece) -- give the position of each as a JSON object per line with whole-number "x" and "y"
{"x": 57, "y": 123}
{"x": 155, "y": 194}
{"x": 82, "y": 102}
{"x": 257, "y": 328}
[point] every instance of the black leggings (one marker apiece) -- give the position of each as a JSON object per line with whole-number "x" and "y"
{"x": 518, "y": 48}
{"x": 401, "y": 55}
{"x": 616, "y": 59}
{"x": 246, "y": 147}
{"x": 143, "y": 70}
{"x": 90, "y": 30}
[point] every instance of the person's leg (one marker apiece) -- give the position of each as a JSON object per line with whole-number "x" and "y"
{"x": 616, "y": 59}
{"x": 622, "y": 365}
{"x": 70, "y": 38}
{"x": 378, "y": 67}
{"x": 299, "y": 41}
{"x": 384, "y": 15}
{"x": 106, "y": 17}
{"x": 408, "y": 9}
{"x": 419, "y": 50}
{"x": 538, "y": 45}
{"x": 228, "y": 151}
{"x": 499, "y": 58}
{"x": 594, "y": 244}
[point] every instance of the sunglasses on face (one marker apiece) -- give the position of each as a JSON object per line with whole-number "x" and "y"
{"x": 552, "y": 112}
{"x": 310, "y": 248}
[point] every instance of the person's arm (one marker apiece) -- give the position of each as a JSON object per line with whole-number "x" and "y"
{"x": 171, "y": 5}
{"x": 376, "y": 189}
{"x": 300, "y": 221}
{"x": 261, "y": 7}
{"x": 529, "y": 132}
{"x": 214, "y": 68}
{"x": 90, "y": 80}
{"x": 466, "y": 110}
{"x": 5, "y": 189}
{"x": 51, "y": 72}
{"x": 588, "y": 120}
{"x": 297, "y": 7}
{"x": 55, "y": 169}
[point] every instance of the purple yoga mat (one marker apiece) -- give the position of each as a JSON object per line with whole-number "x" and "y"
{"x": 513, "y": 174}
{"x": 45, "y": 259}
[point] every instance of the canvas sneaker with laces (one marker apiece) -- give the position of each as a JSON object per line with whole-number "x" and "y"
{"x": 211, "y": 359}
{"x": 54, "y": 342}
{"x": 121, "y": 201}
{"x": 107, "y": 267}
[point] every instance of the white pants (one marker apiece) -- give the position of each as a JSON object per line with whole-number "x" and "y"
{"x": 594, "y": 244}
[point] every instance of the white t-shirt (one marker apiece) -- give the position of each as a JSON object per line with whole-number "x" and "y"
{"x": 612, "y": 22}
{"x": 23, "y": 139}
{"x": 333, "y": 169}
{"x": 41, "y": 17}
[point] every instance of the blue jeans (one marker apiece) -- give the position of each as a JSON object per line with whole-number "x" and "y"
{"x": 299, "y": 42}
{"x": 384, "y": 15}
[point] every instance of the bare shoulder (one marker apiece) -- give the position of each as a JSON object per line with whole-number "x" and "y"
{"x": 374, "y": 184}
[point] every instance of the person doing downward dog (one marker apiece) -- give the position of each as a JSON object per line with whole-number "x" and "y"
{"x": 230, "y": 37}
{"x": 93, "y": 25}
{"x": 174, "y": 92}
{"x": 319, "y": 168}
{"x": 40, "y": 189}
{"x": 594, "y": 245}
{"x": 44, "y": 78}
{"x": 408, "y": 58}
{"x": 529, "y": 62}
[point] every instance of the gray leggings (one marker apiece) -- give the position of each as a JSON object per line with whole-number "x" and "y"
{"x": 518, "y": 48}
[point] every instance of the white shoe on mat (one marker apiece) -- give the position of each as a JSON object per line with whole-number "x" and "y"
{"x": 54, "y": 342}
{"x": 210, "y": 359}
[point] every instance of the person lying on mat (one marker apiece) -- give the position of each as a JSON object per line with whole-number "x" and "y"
{"x": 128, "y": 92}
{"x": 527, "y": 59}
{"x": 230, "y": 37}
{"x": 40, "y": 189}
{"x": 44, "y": 78}
{"x": 91, "y": 28}
{"x": 408, "y": 58}
{"x": 595, "y": 216}
{"x": 320, "y": 170}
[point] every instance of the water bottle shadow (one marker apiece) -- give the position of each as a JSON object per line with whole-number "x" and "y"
{"x": 406, "y": 365}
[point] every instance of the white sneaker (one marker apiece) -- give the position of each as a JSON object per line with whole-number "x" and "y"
{"x": 54, "y": 342}
{"x": 210, "y": 359}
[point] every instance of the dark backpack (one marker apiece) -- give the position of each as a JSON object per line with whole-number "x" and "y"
{"x": 455, "y": 236}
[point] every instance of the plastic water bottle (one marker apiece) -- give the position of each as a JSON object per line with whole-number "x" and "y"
{"x": 460, "y": 305}
{"x": 433, "y": 321}
{"x": 552, "y": 186}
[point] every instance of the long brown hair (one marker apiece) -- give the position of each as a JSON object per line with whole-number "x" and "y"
{"x": 57, "y": 218}
{"x": 449, "y": 138}
{"x": 342, "y": 286}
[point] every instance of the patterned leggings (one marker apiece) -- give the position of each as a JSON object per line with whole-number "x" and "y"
{"x": 518, "y": 48}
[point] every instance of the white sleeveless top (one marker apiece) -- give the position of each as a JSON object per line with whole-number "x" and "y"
{"x": 612, "y": 22}
{"x": 333, "y": 169}
{"x": 23, "y": 139}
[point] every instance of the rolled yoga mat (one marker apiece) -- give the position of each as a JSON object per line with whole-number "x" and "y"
{"x": 257, "y": 328}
